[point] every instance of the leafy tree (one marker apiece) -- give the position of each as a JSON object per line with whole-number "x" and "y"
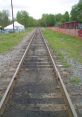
{"x": 4, "y": 18}
{"x": 32, "y": 22}
{"x": 58, "y": 18}
{"x": 47, "y": 20}
{"x": 80, "y": 1}
{"x": 65, "y": 17}
{"x": 76, "y": 12}
{"x": 50, "y": 20}
{"x": 22, "y": 17}
{"x": 79, "y": 12}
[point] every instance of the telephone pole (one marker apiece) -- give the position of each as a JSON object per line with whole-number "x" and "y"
{"x": 12, "y": 14}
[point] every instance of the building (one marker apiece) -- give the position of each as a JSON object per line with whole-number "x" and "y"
{"x": 70, "y": 25}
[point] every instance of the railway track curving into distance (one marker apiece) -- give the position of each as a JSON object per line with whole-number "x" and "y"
{"x": 36, "y": 89}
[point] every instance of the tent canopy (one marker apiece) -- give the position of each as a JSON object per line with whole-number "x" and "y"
{"x": 17, "y": 26}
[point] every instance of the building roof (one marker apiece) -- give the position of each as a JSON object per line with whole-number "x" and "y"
{"x": 71, "y": 22}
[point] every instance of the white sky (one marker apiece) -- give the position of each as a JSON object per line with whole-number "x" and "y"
{"x": 36, "y": 8}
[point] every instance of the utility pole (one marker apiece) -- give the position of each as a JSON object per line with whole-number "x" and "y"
{"x": 12, "y": 14}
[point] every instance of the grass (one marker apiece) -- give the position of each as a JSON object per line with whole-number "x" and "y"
{"x": 8, "y": 41}
{"x": 64, "y": 45}
{"x": 75, "y": 80}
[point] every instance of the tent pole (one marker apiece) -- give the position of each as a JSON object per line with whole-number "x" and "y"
{"x": 12, "y": 14}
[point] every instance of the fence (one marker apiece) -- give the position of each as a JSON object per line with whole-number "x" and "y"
{"x": 72, "y": 32}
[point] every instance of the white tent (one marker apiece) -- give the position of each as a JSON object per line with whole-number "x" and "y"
{"x": 18, "y": 27}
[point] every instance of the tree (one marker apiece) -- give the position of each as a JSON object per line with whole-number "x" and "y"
{"x": 80, "y": 1}
{"x": 22, "y": 17}
{"x": 76, "y": 12}
{"x": 47, "y": 20}
{"x": 4, "y": 18}
{"x": 50, "y": 20}
{"x": 65, "y": 17}
{"x": 32, "y": 22}
{"x": 58, "y": 18}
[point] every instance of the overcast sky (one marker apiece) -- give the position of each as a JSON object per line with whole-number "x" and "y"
{"x": 36, "y": 8}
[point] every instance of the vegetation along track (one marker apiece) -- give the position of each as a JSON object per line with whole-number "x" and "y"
{"x": 36, "y": 89}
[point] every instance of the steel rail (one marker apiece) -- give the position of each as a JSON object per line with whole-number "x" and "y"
{"x": 71, "y": 109}
{"x": 7, "y": 94}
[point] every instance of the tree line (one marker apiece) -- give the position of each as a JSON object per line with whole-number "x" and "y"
{"x": 46, "y": 20}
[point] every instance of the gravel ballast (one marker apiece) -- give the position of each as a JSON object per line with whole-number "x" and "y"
{"x": 9, "y": 63}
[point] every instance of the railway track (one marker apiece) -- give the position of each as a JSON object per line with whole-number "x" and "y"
{"x": 36, "y": 89}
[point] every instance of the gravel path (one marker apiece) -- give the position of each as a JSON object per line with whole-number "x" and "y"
{"x": 9, "y": 62}
{"x": 74, "y": 71}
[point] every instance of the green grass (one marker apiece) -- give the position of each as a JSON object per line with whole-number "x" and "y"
{"x": 64, "y": 45}
{"x": 75, "y": 80}
{"x": 8, "y": 41}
